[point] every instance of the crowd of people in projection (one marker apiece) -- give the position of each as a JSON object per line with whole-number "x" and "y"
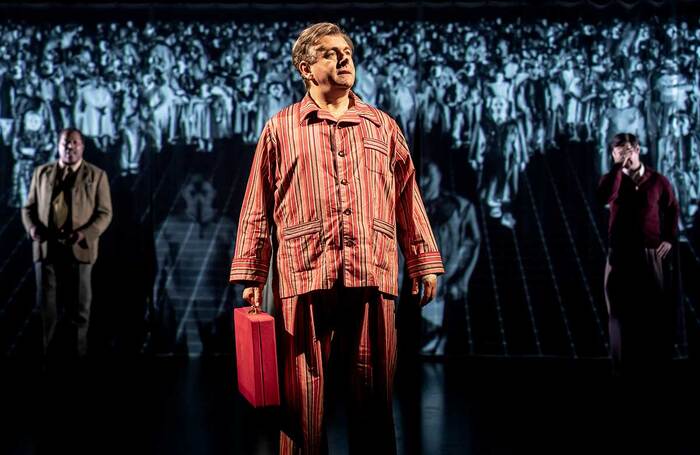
{"x": 497, "y": 91}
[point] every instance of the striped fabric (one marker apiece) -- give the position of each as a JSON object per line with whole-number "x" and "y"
{"x": 352, "y": 330}
{"x": 340, "y": 194}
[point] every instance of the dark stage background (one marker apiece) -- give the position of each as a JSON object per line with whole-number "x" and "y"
{"x": 172, "y": 100}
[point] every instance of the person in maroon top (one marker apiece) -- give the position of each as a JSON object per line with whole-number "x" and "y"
{"x": 642, "y": 229}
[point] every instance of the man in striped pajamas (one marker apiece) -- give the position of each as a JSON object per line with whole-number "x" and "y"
{"x": 333, "y": 186}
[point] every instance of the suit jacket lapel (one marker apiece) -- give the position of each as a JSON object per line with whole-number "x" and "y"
{"x": 51, "y": 177}
{"x": 80, "y": 188}
{"x": 81, "y": 177}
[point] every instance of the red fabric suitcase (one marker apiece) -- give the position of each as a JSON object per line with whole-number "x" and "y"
{"x": 256, "y": 357}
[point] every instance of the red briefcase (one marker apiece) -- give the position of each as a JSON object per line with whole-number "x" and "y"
{"x": 256, "y": 357}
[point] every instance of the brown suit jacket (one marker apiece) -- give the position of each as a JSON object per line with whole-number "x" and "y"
{"x": 91, "y": 208}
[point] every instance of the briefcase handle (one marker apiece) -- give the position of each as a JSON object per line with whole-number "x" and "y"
{"x": 254, "y": 309}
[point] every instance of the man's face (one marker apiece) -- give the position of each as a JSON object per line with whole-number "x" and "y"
{"x": 616, "y": 31}
{"x": 247, "y": 84}
{"x": 334, "y": 67}
{"x": 430, "y": 183}
{"x": 672, "y": 32}
{"x": 679, "y": 126}
{"x": 644, "y": 33}
{"x": 276, "y": 90}
{"x": 70, "y": 148}
{"x": 17, "y": 72}
{"x": 621, "y": 99}
{"x": 629, "y": 154}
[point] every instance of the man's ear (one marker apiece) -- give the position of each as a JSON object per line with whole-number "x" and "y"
{"x": 306, "y": 73}
{"x": 305, "y": 70}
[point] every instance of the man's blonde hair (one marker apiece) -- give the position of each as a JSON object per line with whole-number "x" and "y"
{"x": 301, "y": 51}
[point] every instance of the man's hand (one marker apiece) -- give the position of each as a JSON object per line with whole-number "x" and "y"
{"x": 663, "y": 249}
{"x": 626, "y": 162}
{"x": 253, "y": 294}
{"x": 77, "y": 237}
{"x": 429, "y": 288}
{"x": 618, "y": 154}
{"x": 622, "y": 155}
{"x": 34, "y": 233}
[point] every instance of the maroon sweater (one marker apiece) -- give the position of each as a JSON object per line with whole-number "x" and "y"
{"x": 641, "y": 216}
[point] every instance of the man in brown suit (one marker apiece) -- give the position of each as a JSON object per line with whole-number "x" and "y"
{"x": 67, "y": 209}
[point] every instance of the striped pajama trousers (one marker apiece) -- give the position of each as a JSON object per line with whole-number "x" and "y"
{"x": 348, "y": 333}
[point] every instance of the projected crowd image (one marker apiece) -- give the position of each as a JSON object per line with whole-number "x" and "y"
{"x": 480, "y": 102}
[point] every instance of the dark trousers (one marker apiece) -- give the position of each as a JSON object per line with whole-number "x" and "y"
{"x": 64, "y": 293}
{"x": 641, "y": 309}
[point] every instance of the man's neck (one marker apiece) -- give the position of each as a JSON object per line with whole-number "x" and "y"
{"x": 335, "y": 102}
{"x": 74, "y": 167}
{"x": 637, "y": 172}
{"x": 637, "y": 169}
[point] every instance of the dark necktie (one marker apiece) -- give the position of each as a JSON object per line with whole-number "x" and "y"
{"x": 60, "y": 206}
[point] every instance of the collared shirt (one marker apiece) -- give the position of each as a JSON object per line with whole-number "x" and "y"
{"x": 338, "y": 194}
{"x": 73, "y": 167}
{"x": 635, "y": 175}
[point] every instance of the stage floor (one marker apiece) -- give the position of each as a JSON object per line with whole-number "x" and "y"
{"x": 470, "y": 406}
